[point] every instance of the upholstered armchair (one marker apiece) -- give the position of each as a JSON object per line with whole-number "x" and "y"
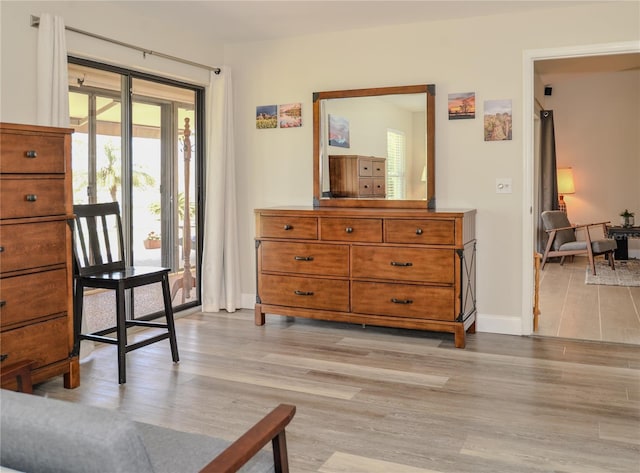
{"x": 563, "y": 242}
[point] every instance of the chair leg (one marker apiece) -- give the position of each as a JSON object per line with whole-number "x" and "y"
{"x": 546, "y": 250}
{"x": 592, "y": 261}
{"x": 168, "y": 310}
{"x": 121, "y": 327}
{"x": 612, "y": 261}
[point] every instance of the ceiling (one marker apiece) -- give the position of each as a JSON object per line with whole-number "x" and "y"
{"x": 241, "y": 21}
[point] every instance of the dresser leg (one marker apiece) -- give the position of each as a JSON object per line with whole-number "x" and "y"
{"x": 259, "y": 315}
{"x": 459, "y": 336}
{"x": 472, "y": 328}
{"x": 72, "y": 378}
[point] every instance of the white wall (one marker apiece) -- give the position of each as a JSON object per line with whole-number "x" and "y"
{"x": 274, "y": 167}
{"x": 597, "y": 123}
{"x": 484, "y": 55}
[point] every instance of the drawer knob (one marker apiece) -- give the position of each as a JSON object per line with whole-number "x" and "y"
{"x": 288, "y": 227}
{"x": 31, "y": 153}
{"x": 4, "y": 356}
{"x": 3, "y": 303}
{"x": 366, "y": 168}
{"x": 401, "y": 301}
{"x": 1, "y": 249}
{"x": 303, "y": 293}
{"x": 366, "y": 186}
{"x": 400, "y": 263}
{"x": 303, "y": 258}
{"x": 31, "y": 197}
{"x": 418, "y": 231}
{"x": 348, "y": 230}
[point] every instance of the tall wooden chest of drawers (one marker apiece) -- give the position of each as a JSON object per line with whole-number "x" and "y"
{"x": 36, "y": 308}
{"x": 357, "y": 176}
{"x": 406, "y": 268}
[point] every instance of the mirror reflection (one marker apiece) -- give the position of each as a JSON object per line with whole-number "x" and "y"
{"x": 374, "y": 147}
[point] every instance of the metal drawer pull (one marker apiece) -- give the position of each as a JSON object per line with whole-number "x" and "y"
{"x": 31, "y": 197}
{"x": 418, "y": 231}
{"x": 303, "y": 258}
{"x": 398, "y": 263}
{"x": 401, "y": 301}
{"x": 1, "y": 249}
{"x": 348, "y": 230}
{"x": 4, "y": 356}
{"x": 366, "y": 186}
{"x": 31, "y": 153}
{"x": 303, "y": 293}
{"x": 288, "y": 227}
{"x": 365, "y": 168}
{"x": 3, "y": 303}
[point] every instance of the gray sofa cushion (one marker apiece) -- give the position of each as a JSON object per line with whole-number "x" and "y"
{"x": 46, "y": 435}
{"x": 39, "y": 434}
{"x": 172, "y": 451}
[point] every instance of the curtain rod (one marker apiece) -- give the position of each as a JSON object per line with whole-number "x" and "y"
{"x": 35, "y": 22}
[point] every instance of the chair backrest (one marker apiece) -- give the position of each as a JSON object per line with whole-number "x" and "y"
{"x": 552, "y": 219}
{"x": 98, "y": 242}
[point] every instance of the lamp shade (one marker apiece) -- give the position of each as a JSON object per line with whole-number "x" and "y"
{"x": 565, "y": 181}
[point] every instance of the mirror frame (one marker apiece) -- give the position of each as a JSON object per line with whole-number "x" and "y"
{"x": 430, "y": 91}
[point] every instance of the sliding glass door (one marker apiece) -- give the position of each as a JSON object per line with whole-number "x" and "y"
{"x": 136, "y": 141}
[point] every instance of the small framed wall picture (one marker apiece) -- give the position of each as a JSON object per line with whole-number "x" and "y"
{"x": 462, "y": 106}
{"x": 266, "y": 116}
{"x": 497, "y": 120}
{"x": 290, "y": 115}
{"x": 339, "y": 132}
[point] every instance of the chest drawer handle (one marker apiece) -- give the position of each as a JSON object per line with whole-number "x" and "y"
{"x": 3, "y": 303}
{"x": 303, "y": 293}
{"x": 288, "y": 227}
{"x": 31, "y": 153}
{"x": 366, "y": 186}
{"x": 1, "y": 249}
{"x": 401, "y": 301}
{"x": 303, "y": 258}
{"x": 4, "y": 357}
{"x": 398, "y": 263}
{"x": 31, "y": 197}
{"x": 418, "y": 231}
{"x": 348, "y": 230}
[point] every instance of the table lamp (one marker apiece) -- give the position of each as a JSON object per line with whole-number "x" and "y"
{"x": 565, "y": 186}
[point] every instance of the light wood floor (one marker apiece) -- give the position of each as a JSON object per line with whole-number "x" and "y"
{"x": 572, "y": 309}
{"x": 385, "y": 400}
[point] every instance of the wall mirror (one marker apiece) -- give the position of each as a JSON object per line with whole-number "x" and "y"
{"x": 374, "y": 147}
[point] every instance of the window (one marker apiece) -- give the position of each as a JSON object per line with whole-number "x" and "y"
{"x": 138, "y": 141}
{"x": 396, "y": 152}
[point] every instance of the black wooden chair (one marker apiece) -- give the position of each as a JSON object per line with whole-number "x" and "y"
{"x": 99, "y": 263}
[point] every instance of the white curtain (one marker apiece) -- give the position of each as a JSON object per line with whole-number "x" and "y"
{"x": 220, "y": 259}
{"x": 53, "y": 86}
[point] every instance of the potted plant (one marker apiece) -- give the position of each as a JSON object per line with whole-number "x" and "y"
{"x": 152, "y": 241}
{"x": 627, "y": 218}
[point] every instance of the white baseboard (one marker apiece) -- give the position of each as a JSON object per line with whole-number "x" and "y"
{"x": 504, "y": 324}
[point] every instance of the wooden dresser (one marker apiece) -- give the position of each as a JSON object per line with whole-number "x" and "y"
{"x": 357, "y": 176}
{"x": 407, "y": 268}
{"x": 36, "y": 311}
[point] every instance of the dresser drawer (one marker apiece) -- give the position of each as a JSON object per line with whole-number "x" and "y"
{"x": 27, "y": 154}
{"x": 305, "y": 258}
{"x": 309, "y": 293}
{"x": 32, "y": 245}
{"x": 425, "y": 232}
{"x": 304, "y": 228}
{"x": 403, "y": 264}
{"x": 28, "y": 297}
{"x": 351, "y": 229}
{"x": 371, "y": 167}
{"x": 32, "y": 197}
{"x": 403, "y": 300}
{"x": 370, "y": 186}
{"x": 44, "y": 342}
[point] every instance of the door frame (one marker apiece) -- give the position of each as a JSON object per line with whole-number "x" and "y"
{"x": 529, "y": 191}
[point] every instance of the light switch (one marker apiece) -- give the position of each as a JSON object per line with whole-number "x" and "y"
{"x": 503, "y": 185}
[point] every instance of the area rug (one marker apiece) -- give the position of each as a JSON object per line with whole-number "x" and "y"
{"x": 627, "y": 273}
